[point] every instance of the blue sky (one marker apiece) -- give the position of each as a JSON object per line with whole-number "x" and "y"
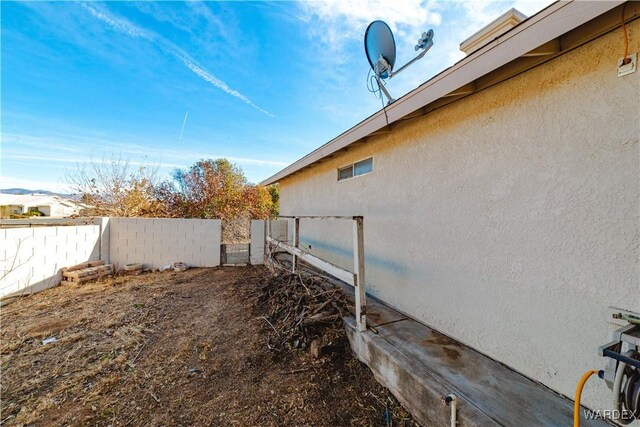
{"x": 260, "y": 83}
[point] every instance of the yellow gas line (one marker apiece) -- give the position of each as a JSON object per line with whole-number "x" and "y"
{"x": 576, "y": 404}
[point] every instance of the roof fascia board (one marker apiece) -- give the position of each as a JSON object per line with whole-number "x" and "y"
{"x": 545, "y": 27}
{"x": 550, "y": 23}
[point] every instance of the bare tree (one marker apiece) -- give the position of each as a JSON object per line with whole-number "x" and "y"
{"x": 113, "y": 187}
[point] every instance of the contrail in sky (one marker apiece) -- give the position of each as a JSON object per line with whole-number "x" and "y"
{"x": 184, "y": 122}
{"x": 123, "y": 26}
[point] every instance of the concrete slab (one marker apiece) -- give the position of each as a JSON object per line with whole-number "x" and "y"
{"x": 420, "y": 365}
{"x": 379, "y": 315}
{"x": 411, "y": 383}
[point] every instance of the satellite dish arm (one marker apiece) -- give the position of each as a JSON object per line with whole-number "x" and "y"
{"x": 384, "y": 90}
{"x": 425, "y": 43}
{"x": 383, "y": 70}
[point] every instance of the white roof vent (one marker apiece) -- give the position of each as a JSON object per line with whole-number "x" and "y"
{"x": 496, "y": 28}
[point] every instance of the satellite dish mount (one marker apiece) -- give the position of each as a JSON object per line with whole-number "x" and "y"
{"x": 380, "y": 48}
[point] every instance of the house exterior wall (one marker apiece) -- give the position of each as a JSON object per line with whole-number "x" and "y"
{"x": 55, "y": 210}
{"x": 58, "y": 210}
{"x": 46, "y": 210}
{"x": 9, "y": 210}
{"x": 508, "y": 220}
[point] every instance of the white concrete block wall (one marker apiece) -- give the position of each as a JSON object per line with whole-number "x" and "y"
{"x": 157, "y": 242}
{"x": 258, "y": 229}
{"x": 104, "y": 238}
{"x": 31, "y": 258}
{"x": 280, "y": 230}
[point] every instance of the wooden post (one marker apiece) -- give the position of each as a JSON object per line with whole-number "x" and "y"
{"x": 358, "y": 268}
{"x": 296, "y": 242}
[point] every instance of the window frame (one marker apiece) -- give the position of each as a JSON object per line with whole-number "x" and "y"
{"x": 361, "y": 161}
{"x": 345, "y": 168}
{"x": 353, "y": 169}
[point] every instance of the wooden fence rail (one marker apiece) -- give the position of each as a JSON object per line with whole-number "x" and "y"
{"x": 355, "y": 278}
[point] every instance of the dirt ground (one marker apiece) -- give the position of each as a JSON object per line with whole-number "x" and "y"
{"x": 185, "y": 348}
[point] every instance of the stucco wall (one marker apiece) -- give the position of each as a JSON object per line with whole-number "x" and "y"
{"x": 158, "y": 242}
{"x": 508, "y": 220}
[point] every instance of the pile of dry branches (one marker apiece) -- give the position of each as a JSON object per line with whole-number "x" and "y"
{"x": 301, "y": 309}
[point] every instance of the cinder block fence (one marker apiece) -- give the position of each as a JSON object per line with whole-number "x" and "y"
{"x": 33, "y": 252}
{"x": 161, "y": 241}
{"x": 31, "y": 258}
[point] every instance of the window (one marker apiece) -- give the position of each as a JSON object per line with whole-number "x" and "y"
{"x": 358, "y": 168}
{"x": 345, "y": 173}
{"x": 362, "y": 167}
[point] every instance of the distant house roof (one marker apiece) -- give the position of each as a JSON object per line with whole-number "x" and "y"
{"x": 34, "y": 200}
{"x": 528, "y": 44}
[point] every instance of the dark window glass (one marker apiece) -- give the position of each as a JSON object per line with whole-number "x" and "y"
{"x": 345, "y": 173}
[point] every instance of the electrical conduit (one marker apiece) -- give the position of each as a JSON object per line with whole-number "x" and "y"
{"x": 452, "y": 401}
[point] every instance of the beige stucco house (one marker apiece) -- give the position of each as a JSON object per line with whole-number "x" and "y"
{"x": 501, "y": 199}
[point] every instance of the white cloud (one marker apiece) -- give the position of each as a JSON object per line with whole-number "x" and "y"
{"x": 340, "y": 20}
{"x": 208, "y": 77}
{"x": 20, "y": 147}
{"x": 477, "y": 14}
{"x": 117, "y": 23}
{"x": 55, "y": 153}
{"x": 335, "y": 22}
{"x": 192, "y": 156}
{"x": 339, "y": 24}
{"x": 123, "y": 26}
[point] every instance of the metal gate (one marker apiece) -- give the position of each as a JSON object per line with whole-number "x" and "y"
{"x": 236, "y": 241}
{"x": 235, "y": 253}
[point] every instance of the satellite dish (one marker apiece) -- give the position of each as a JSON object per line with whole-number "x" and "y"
{"x": 380, "y": 48}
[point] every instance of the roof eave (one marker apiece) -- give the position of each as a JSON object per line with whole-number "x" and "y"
{"x": 548, "y": 24}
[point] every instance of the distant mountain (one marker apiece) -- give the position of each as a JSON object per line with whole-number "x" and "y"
{"x": 26, "y": 191}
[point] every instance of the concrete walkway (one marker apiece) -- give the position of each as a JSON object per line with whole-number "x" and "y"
{"x": 420, "y": 365}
